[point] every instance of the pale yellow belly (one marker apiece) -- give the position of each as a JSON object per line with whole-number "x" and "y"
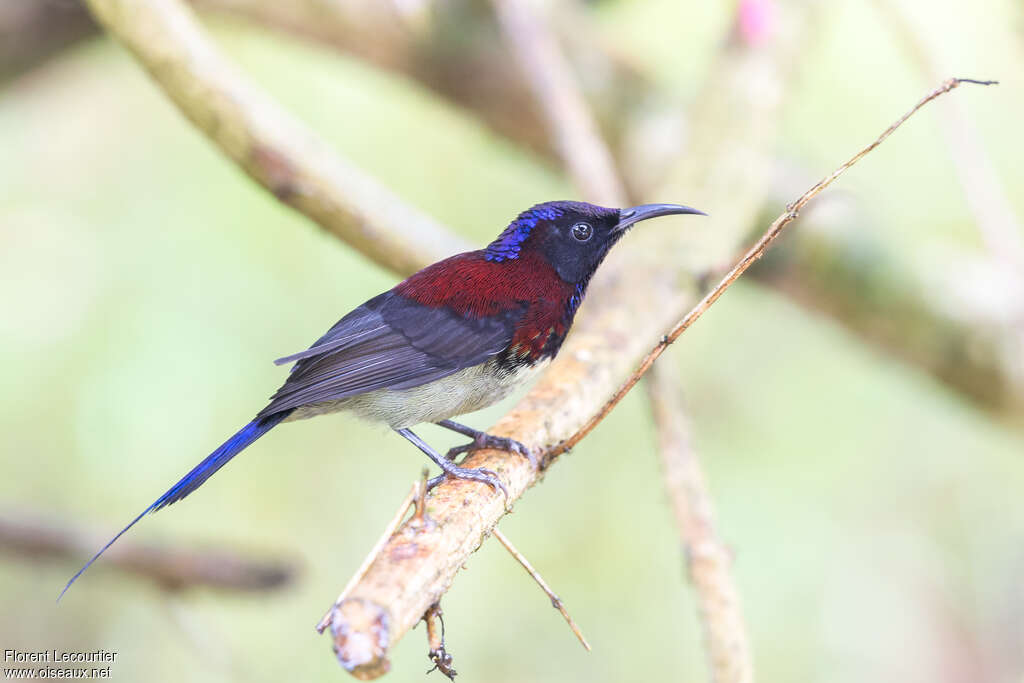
{"x": 462, "y": 392}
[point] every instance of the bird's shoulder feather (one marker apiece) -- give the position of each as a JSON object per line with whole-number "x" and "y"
{"x": 478, "y": 287}
{"x": 475, "y": 287}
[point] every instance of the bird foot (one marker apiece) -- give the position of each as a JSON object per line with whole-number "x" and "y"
{"x": 483, "y": 440}
{"x": 472, "y": 474}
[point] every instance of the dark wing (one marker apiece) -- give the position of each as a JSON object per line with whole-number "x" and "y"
{"x": 390, "y": 342}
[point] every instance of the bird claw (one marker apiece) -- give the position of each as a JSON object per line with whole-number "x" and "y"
{"x": 501, "y": 443}
{"x": 480, "y": 474}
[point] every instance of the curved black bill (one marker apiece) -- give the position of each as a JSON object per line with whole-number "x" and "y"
{"x": 635, "y": 214}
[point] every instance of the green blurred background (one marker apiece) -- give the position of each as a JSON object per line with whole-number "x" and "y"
{"x": 876, "y": 514}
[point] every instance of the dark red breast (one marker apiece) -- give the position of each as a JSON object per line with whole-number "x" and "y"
{"x": 474, "y": 287}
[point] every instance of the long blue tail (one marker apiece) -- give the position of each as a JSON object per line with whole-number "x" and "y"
{"x": 194, "y": 479}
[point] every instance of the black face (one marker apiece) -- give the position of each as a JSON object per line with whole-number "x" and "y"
{"x": 574, "y": 236}
{"x": 577, "y": 241}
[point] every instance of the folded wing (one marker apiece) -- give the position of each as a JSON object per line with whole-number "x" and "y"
{"x": 390, "y": 342}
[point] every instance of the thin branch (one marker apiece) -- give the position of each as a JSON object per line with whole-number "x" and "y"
{"x": 708, "y": 560}
{"x": 266, "y": 142}
{"x": 438, "y": 654}
{"x": 747, "y": 260}
{"x": 556, "y": 601}
{"x": 171, "y": 567}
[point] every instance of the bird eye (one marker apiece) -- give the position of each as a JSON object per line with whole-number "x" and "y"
{"x": 582, "y": 231}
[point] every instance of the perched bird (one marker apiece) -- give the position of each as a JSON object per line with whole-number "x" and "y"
{"x": 455, "y": 337}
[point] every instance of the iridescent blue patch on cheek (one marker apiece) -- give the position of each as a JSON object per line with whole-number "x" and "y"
{"x": 574, "y": 301}
{"x": 509, "y": 243}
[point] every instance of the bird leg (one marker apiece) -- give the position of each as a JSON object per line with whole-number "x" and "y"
{"x": 450, "y": 469}
{"x": 485, "y": 440}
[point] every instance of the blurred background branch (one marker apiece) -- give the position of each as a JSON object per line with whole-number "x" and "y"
{"x": 35, "y": 538}
{"x": 708, "y": 561}
{"x": 452, "y": 52}
{"x": 272, "y": 147}
{"x": 455, "y": 51}
{"x": 950, "y": 314}
{"x": 31, "y": 31}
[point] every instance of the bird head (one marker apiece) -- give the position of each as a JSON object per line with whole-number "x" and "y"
{"x": 574, "y": 237}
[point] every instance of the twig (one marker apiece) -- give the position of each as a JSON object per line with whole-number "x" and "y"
{"x": 420, "y": 515}
{"x": 171, "y": 567}
{"x": 748, "y": 259}
{"x": 708, "y": 560}
{"x": 438, "y": 654}
{"x": 267, "y": 143}
{"x": 413, "y": 496}
{"x": 556, "y": 601}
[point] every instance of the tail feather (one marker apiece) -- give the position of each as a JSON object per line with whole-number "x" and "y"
{"x": 195, "y": 478}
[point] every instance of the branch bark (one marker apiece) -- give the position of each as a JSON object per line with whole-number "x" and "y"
{"x": 273, "y": 148}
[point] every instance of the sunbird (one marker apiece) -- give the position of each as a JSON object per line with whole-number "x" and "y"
{"x": 455, "y": 337}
